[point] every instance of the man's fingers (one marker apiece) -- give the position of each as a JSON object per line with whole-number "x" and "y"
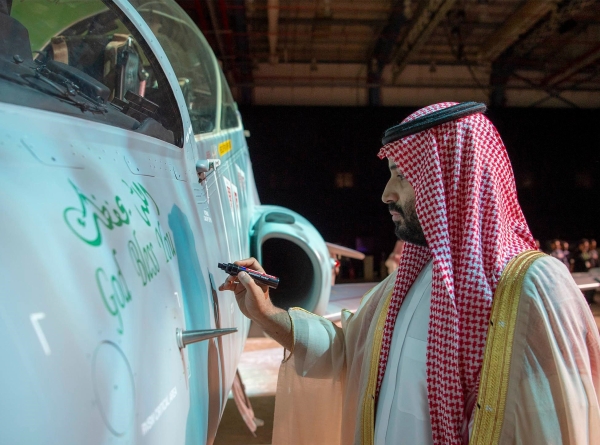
{"x": 250, "y": 263}
{"x": 227, "y": 285}
{"x": 231, "y": 283}
{"x": 257, "y": 291}
{"x": 243, "y": 285}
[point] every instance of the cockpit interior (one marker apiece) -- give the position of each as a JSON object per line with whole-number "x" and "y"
{"x": 94, "y": 68}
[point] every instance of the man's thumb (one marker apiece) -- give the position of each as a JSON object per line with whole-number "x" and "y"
{"x": 250, "y": 284}
{"x": 245, "y": 279}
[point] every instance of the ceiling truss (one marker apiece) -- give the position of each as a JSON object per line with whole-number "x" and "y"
{"x": 500, "y": 50}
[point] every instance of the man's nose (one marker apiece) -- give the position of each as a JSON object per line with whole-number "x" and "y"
{"x": 388, "y": 194}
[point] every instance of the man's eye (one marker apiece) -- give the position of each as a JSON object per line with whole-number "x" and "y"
{"x": 400, "y": 176}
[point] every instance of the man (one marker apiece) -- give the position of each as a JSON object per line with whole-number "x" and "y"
{"x": 426, "y": 359}
{"x": 582, "y": 261}
{"x": 567, "y": 252}
{"x": 558, "y": 253}
{"x": 594, "y": 253}
{"x": 392, "y": 261}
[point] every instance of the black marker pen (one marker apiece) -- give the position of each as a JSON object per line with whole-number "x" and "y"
{"x": 263, "y": 278}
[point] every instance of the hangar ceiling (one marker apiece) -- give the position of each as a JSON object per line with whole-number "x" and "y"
{"x": 526, "y": 53}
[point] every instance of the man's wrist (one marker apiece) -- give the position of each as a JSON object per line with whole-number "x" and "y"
{"x": 276, "y": 323}
{"x": 270, "y": 316}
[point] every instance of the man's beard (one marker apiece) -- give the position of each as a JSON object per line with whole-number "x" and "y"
{"x": 408, "y": 229}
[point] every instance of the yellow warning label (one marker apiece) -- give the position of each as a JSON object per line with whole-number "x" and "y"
{"x": 224, "y": 147}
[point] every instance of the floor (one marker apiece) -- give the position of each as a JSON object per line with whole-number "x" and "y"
{"x": 258, "y": 368}
{"x": 259, "y": 365}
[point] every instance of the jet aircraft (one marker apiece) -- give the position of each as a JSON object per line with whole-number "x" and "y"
{"x": 126, "y": 179}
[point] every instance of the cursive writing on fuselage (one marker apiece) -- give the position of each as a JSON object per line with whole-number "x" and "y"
{"x": 144, "y": 259}
{"x": 142, "y": 194}
{"x": 114, "y": 291}
{"x": 84, "y": 221}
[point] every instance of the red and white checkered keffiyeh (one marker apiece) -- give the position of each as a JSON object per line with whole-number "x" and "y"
{"x": 467, "y": 205}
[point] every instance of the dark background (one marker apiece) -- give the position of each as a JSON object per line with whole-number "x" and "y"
{"x": 297, "y": 151}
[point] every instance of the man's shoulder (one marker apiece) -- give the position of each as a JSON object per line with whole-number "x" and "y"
{"x": 547, "y": 263}
{"x": 384, "y": 287}
{"x": 551, "y": 302}
{"x": 550, "y": 278}
{"x": 387, "y": 281}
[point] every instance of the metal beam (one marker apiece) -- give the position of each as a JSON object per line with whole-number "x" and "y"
{"x": 328, "y": 21}
{"x": 503, "y": 67}
{"x": 242, "y": 44}
{"x": 229, "y": 46}
{"x": 550, "y": 91}
{"x": 515, "y": 26}
{"x": 501, "y": 72}
{"x": 273, "y": 21}
{"x": 550, "y": 26}
{"x": 203, "y": 23}
{"x": 576, "y": 66}
{"x": 349, "y": 82}
{"x": 216, "y": 26}
{"x": 421, "y": 29}
{"x": 382, "y": 51}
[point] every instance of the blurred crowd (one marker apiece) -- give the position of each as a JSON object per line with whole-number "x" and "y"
{"x": 580, "y": 258}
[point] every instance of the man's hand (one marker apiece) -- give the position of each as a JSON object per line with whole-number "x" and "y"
{"x": 252, "y": 298}
{"x": 255, "y": 303}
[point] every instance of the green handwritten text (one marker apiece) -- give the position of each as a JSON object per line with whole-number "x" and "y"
{"x": 114, "y": 291}
{"x": 84, "y": 221}
{"x": 144, "y": 259}
{"x": 165, "y": 241}
{"x": 142, "y": 194}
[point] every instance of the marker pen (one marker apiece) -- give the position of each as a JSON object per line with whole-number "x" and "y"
{"x": 263, "y": 278}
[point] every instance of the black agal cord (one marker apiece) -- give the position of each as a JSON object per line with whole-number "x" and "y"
{"x": 431, "y": 120}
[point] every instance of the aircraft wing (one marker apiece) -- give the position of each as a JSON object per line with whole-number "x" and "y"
{"x": 335, "y": 250}
{"x": 587, "y": 280}
{"x": 346, "y": 296}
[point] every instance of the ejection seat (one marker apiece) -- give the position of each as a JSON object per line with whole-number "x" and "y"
{"x": 113, "y": 60}
{"x": 14, "y": 37}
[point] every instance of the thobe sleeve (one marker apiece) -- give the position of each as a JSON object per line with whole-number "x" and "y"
{"x": 311, "y": 391}
{"x": 554, "y": 379}
{"x": 318, "y": 345}
{"x": 309, "y": 386}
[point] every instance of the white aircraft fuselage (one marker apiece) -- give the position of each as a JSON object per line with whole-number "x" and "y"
{"x": 126, "y": 179}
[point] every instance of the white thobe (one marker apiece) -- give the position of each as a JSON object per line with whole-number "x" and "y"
{"x": 402, "y": 409}
{"x": 553, "y": 395}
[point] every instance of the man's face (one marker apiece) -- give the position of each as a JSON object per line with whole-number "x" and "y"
{"x": 400, "y": 198}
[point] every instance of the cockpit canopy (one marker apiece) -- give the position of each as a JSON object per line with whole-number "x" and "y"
{"x": 87, "y": 59}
